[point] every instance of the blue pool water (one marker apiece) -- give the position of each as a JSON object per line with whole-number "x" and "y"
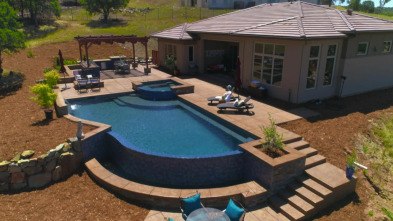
{"x": 159, "y": 85}
{"x": 163, "y": 127}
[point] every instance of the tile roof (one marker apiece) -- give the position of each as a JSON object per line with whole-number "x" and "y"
{"x": 284, "y": 20}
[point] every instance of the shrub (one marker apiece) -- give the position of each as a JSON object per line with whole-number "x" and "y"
{"x": 10, "y": 81}
{"x": 170, "y": 62}
{"x": 273, "y": 144}
{"x": 46, "y": 98}
{"x": 52, "y": 77}
{"x": 30, "y": 53}
{"x": 351, "y": 159}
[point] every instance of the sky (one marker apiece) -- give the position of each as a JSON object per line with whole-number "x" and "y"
{"x": 376, "y": 3}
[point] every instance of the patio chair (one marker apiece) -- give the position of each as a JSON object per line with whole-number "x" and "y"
{"x": 95, "y": 83}
{"x": 235, "y": 210}
{"x": 219, "y": 98}
{"x": 190, "y": 204}
{"x": 241, "y": 106}
{"x": 82, "y": 84}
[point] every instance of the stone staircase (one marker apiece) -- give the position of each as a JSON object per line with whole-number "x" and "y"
{"x": 319, "y": 186}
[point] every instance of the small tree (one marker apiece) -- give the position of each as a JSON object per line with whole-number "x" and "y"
{"x": 103, "y": 6}
{"x": 170, "y": 63}
{"x": 52, "y": 77}
{"x": 46, "y": 98}
{"x": 273, "y": 143}
{"x": 11, "y": 39}
{"x": 38, "y": 8}
{"x": 368, "y": 6}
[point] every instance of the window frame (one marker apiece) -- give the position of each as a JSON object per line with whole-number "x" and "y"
{"x": 173, "y": 50}
{"x": 390, "y": 48}
{"x": 334, "y": 65}
{"x": 365, "y": 53}
{"x": 193, "y": 53}
{"x": 263, "y": 55}
{"x": 317, "y": 58}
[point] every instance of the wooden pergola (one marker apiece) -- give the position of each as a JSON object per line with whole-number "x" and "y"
{"x": 90, "y": 40}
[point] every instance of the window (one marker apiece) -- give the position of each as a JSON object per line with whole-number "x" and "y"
{"x": 268, "y": 63}
{"x": 191, "y": 53}
{"x": 387, "y": 46}
{"x": 312, "y": 67}
{"x": 362, "y": 48}
{"x": 170, "y": 50}
{"x": 329, "y": 68}
{"x": 214, "y": 2}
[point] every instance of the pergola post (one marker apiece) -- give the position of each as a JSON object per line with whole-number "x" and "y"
{"x": 80, "y": 51}
{"x": 147, "y": 56}
{"x": 87, "y": 55}
{"x": 133, "y": 52}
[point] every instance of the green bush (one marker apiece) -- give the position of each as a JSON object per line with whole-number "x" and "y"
{"x": 52, "y": 77}
{"x": 273, "y": 140}
{"x": 30, "y": 53}
{"x": 170, "y": 63}
{"x": 57, "y": 66}
{"x": 351, "y": 159}
{"x": 46, "y": 98}
{"x": 10, "y": 81}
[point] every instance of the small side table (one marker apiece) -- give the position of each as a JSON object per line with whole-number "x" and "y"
{"x": 207, "y": 214}
{"x": 257, "y": 93}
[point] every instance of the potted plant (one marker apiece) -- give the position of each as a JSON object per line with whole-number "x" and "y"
{"x": 46, "y": 98}
{"x": 170, "y": 63}
{"x": 350, "y": 169}
{"x": 52, "y": 77}
{"x": 273, "y": 144}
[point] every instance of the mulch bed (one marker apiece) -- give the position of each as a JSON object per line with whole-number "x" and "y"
{"x": 78, "y": 198}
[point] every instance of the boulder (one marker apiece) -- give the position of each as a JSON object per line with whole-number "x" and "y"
{"x": 23, "y": 163}
{"x": 4, "y": 166}
{"x": 41, "y": 160}
{"x": 16, "y": 158}
{"x": 4, "y": 186}
{"x": 18, "y": 186}
{"x": 13, "y": 168}
{"x": 18, "y": 177}
{"x": 67, "y": 147}
{"x": 39, "y": 180}
{"x": 56, "y": 173}
{"x": 50, "y": 165}
{"x": 76, "y": 144}
{"x": 4, "y": 176}
{"x": 50, "y": 155}
{"x": 27, "y": 154}
{"x": 59, "y": 147}
{"x": 69, "y": 163}
{"x": 32, "y": 170}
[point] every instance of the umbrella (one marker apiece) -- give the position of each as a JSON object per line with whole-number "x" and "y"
{"x": 238, "y": 81}
{"x": 62, "y": 69}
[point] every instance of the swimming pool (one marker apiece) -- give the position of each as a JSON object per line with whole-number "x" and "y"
{"x": 161, "y": 127}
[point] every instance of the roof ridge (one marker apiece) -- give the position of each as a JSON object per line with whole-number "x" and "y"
{"x": 183, "y": 30}
{"x": 300, "y": 9}
{"x": 264, "y": 24}
{"x": 348, "y": 23}
{"x": 369, "y": 16}
{"x": 301, "y": 28}
{"x": 236, "y": 11}
{"x": 167, "y": 29}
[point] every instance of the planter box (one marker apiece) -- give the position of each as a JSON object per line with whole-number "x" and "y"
{"x": 272, "y": 173}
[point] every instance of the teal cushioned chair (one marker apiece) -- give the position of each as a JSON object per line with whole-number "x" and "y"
{"x": 235, "y": 212}
{"x": 188, "y": 205}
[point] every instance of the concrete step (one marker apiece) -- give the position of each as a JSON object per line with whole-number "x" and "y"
{"x": 314, "y": 161}
{"x": 314, "y": 186}
{"x": 296, "y": 201}
{"x": 328, "y": 175}
{"x": 298, "y": 145}
{"x": 265, "y": 213}
{"x": 305, "y": 193}
{"x": 309, "y": 151}
{"x": 285, "y": 208}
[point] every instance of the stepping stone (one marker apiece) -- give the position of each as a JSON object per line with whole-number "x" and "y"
{"x": 314, "y": 186}
{"x": 296, "y": 201}
{"x": 305, "y": 193}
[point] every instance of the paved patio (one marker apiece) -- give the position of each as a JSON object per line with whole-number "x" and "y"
{"x": 203, "y": 89}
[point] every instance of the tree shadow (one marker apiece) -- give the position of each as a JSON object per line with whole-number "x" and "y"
{"x": 351, "y": 198}
{"x": 47, "y": 27}
{"x": 108, "y": 24}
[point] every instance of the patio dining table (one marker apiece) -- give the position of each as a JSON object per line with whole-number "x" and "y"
{"x": 207, "y": 214}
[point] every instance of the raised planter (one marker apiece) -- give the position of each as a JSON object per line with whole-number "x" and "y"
{"x": 272, "y": 173}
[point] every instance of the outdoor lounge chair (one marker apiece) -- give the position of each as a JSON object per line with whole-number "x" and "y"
{"x": 218, "y": 98}
{"x": 82, "y": 84}
{"x": 240, "y": 107}
{"x": 188, "y": 205}
{"x": 235, "y": 211}
{"x": 95, "y": 83}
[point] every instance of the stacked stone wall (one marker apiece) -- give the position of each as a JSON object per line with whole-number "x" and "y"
{"x": 59, "y": 163}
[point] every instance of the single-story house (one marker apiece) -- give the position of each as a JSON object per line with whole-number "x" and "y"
{"x": 232, "y": 4}
{"x": 299, "y": 51}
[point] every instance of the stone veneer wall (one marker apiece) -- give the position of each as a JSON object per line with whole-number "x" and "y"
{"x": 57, "y": 164}
{"x": 165, "y": 170}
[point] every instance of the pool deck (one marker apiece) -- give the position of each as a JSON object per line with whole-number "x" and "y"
{"x": 202, "y": 91}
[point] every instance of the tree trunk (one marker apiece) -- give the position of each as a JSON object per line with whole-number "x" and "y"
{"x": 1, "y": 66}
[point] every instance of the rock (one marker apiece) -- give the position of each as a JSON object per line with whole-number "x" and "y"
{"x": 18, "y": 186}
{"x": 23, "y": 163}
{"x": 33, "y": 162}
{"x": 32, "y": 170}
{"x": 50, "y": 165}
{"x": 39, "y": 180}
{"x": 4, "y": 166}
{"x": 18, "y": 177}
{"x": 4, "y": 177}
{"x": 51, "y": 154}
{"x": 41, "y": 160}
{"x": 67, "y": 147}
{"x": 27, "y": 154}
{"x": 13, "y": 168}
{"x": 77, "y": 146}
{"x": 4, "y": 186}
{"x": 16, "y": 158}
{"x": 56, "y": 174}
{"x": 59, "y": 147}
{"x": 69, "y": 163}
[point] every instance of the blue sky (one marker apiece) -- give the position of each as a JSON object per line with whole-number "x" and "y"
{"x": 376, "y": 3}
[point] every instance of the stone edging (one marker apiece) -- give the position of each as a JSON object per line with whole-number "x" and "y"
{"x": 59, "y": 163}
